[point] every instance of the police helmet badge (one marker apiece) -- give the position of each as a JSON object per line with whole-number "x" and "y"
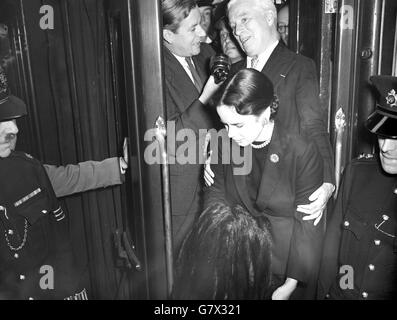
{"x": 383, "y": 121}
{"x": 391, "y": 98}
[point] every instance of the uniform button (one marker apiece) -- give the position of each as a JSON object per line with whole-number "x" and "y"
{"x": 44, "y": 211}
{"x": 16, "y": 256}
{"x": 327, "y": 296}
{"x": 395, "y": 191}
{"x": 385, "y": 217}
{"x": 365, "y": 295}
{"x": 10, "y": 232}
{"x": 371, "y": 267}
{"x": 22, "y": 277}
{"x": 377, "y": 242}
{"x": 30, "y": 298}
{"x": 346, "y": 223}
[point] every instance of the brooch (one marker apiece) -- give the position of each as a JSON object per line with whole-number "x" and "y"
{"x": 274, "y": 158}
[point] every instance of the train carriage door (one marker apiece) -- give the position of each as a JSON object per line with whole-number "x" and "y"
{"x": 135, "y": 51}
{"x": 365, "y": 46}
{"x": 349, "y": 40}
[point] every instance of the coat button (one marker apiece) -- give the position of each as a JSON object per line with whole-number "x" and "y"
{"x": 365, "y": 295}
{"x": 371, "y": 267}
{"x": 395, "y": 191}
{"x": 377, "y": 242}
{"x": 22, "y": 277}
{"x": 10, "y": 232}
{"x": 346, "y": 223}
{"x": 44, "y": 211}
{"x": 30, "y": 298}
{"x": 16, "y": 255}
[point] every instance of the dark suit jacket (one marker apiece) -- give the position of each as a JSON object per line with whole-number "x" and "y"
{"x": 184, "y": 108}
{"x": 293, "y": 170}
{"x": 295, "y": 81}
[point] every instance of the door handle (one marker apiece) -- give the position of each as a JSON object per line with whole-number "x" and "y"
{"x": 126, "y": 256}
{"x": 130, "y": 250}
{"x": 340, "y": 124}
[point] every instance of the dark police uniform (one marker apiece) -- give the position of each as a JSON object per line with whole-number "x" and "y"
{"x": 36, "y": 260}
{"x": 362, "y": 234}
{"x": 360, "y": 252}
{"x": 34, "y": 235}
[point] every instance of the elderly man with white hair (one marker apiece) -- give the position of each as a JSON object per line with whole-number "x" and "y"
{"x": 254, "y": 24}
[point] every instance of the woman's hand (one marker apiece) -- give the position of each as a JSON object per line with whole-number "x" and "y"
{"x": 319, "y": 200}
{"x": 284, "y": 292}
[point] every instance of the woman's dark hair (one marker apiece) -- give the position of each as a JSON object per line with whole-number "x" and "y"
{"x": 174, "y": 11}
{"x": 250, "y": 92}
{"x": 226, "y": 255}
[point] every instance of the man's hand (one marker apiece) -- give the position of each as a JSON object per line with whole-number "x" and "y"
{"x": 124, "y": 158}
{"x": 208, "y": 173}
{"x": 319, "y": 200}
{"x": 284, "y": 292}
{"x": 209, "y": 89}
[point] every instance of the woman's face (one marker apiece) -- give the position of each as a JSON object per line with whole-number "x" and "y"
{"x": 243, "y": 129}
{"x": 229, "y": 47}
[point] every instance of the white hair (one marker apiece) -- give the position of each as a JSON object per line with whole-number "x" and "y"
{"x": 265, "y": 5}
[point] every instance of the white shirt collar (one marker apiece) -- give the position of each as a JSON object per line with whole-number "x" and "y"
{"x": 182, "y": 61}
{"x": 263, "y": 57}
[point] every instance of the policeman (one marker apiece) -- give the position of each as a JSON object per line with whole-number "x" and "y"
{"x": 36, "y": 260}
{"x": 360, "y": 253}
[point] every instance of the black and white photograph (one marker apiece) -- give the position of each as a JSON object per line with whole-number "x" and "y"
{"x": 198, "y": 154}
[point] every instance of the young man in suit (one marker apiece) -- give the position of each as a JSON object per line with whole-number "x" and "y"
{"x": 188, "y": 90}
{"x": 254, "y": 24}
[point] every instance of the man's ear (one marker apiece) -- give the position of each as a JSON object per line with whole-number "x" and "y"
{"x": 168, "y": 36}
{"x": 270, "y": 18}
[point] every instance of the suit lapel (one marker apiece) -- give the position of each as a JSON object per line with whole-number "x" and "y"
{"x": 279, "y": 64}
{"x": 200, "y": 67}
{"x": 276, "y": 68}
{"x": 177, "y": 75}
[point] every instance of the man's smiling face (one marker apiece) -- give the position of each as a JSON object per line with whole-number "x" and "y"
{"x": 250, "y": 27}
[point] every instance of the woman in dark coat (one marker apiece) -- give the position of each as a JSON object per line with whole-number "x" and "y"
{"x": 279, "y": 172}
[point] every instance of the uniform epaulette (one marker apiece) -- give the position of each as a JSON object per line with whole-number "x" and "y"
{"x": 24, "y": 156}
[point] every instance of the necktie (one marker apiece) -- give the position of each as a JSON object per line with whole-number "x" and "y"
{"x": 254, "y": 62}
{"x": 197, "y": 80}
